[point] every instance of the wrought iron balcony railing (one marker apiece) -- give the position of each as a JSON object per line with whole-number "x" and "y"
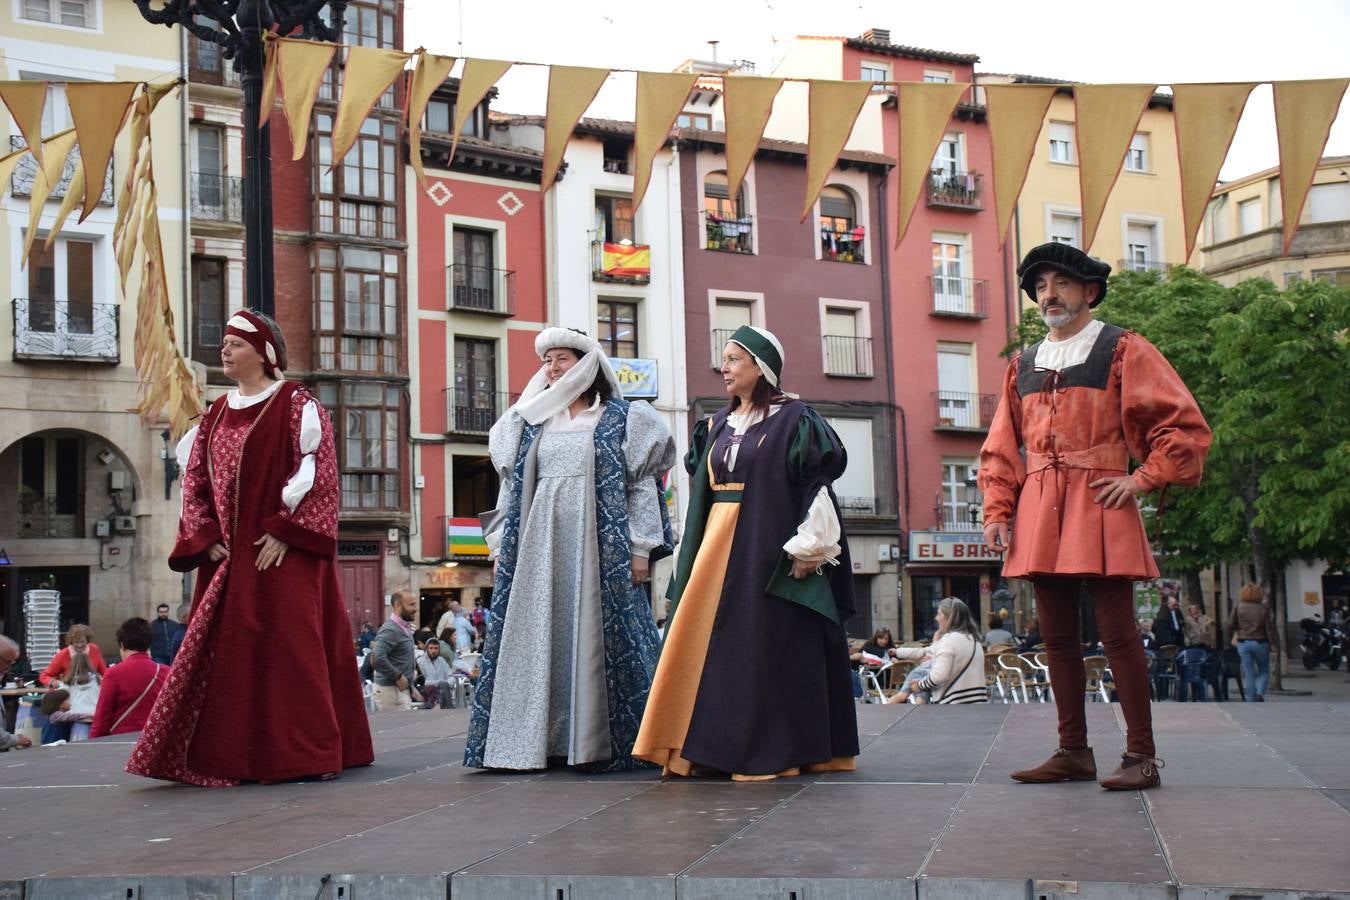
{"x": 731, "y": 234}
{"x": 843, "y": 246}
{"x": 858, "y": 506}
{"x": 966, "y": 298}
{"x": 720, "y": 336}
{"x": 1141, "y": 265}
{"x": 959, "y": 411}
{"x": 847, "y": 356}
{"x": 473, "y": 412}
{"x": 50, "y": 516}
{"x": 955, "y": 190}
{"x": 217, "y": 198}
{"x": 66, "y": 330}
{"x": 949, "y": 523}
{"x": 481, "y": 289}
{"x": 25, "y": 173}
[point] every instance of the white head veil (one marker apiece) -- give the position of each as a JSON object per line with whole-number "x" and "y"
{"x": 540, "y": 402}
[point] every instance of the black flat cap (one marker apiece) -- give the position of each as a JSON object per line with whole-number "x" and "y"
{"x": 1063, "y": 258}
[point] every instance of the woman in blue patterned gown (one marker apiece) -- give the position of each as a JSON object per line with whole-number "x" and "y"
{"x": 571, "y": 643}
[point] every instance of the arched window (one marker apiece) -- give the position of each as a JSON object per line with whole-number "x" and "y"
{"x": 725, "y": 221}
{"x": 841, "y": 236}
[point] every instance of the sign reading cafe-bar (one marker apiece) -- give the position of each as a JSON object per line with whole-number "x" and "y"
{"x": 944, "y": 546}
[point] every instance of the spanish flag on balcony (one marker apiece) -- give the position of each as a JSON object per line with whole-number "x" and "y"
{"x": 464, "y": 537}
{"x": 626, "y": 259}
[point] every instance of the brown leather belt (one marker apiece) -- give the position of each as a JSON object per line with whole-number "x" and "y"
{"x": 1108, "y": 457}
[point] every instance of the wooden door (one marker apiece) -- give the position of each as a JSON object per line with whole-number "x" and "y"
{"x": 360, "y": 580}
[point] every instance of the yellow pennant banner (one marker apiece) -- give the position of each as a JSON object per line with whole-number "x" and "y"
{"x": 99, "y": 111}
{"x": 73, "y": 195}
{"x": 55, "y": 149}
{"x": 1016, "y": 114}
{"x": 832, "y": 108}
{"x": 925, "y": 109}
{"x": 368, "y": 73}
{"x": 1106, "y": 116}
{"x": 431, "y": 71}
{"x": 300, "y": 67}
{"x": 269, "y": 83}
{"x": 475, "y": 81}
{"x": 25, "y": 100}
{"x": 660, "y": 97}
{"x": 7, "y": 164}
{"x": 1206, "y": 117}
{"x": 1304, "y": 111}
{"x": 748, "y": 103}
{"x": 570, "y": 90}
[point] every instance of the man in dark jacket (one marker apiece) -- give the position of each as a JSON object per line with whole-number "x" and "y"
{"x": 164, "y": 636}
{"x": 1170, "y": 625}
{"x": 395, "y": 658}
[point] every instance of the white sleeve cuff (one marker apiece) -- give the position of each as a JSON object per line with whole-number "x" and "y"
{"x": 817, "y": 538}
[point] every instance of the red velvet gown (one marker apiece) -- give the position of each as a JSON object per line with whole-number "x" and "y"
{"x": 265, "y": 686}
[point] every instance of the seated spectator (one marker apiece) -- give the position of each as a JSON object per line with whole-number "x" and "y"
{"x": 131, "y": 686}
{"x": 955, "y": 676}
{"x": 997, "y": 635}
{"x": 1199, "y": 627}
{"x": 436, "y": 677}
{"x": 1033, "y": 637}
{"x": 83, "y": 687}
{"x": 79, "y": 640}
{"x": 61, "y": 718}
{"x": 881, "y": 645}
{"x": 366, "y": 635}
{"x": 1146, "y": 635}
{"x": 9, "y": 651}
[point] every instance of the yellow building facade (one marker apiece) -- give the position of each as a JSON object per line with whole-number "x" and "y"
{"x": 85, "y": 506}
{"x": 1242, "y": 235}
{"x": 1141, "y": 227}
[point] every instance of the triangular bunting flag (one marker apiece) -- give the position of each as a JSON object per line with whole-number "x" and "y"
{"x": 73, "y": 195}
{"x": 25, "y": 100}
{"x": 1304, "y": 111}
{"x": 1206, "y": 117}
{"x": 431, "y": 71}
{"x": 925, "y": 110}
{"x": 1016, "y": 114}
{"x": 300, "y": 67}
{"x": 660, "y": 97}
{"x": 7, "y": 164}
{"x": 748, "y": 102}
{"x": 832, "y": 108}
{"x": 570, "y": 90}
{"x": 475, "y": 81}
{"x": 55, "y": 150}
{"x": 99, "y": 111}
{"x": 368, "y": 72}
{"x": 1105, "y": 117}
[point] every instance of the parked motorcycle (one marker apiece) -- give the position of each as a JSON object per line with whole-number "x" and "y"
{"x": 1322, "y": 643}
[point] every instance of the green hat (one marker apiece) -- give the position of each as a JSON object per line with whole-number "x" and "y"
{"x": 764, "y": 347}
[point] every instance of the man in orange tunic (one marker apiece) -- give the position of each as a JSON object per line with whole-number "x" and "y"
{"x": 1082, "y": 404}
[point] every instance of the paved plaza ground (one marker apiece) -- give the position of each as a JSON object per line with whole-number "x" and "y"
{"x": 1255, "y": 803}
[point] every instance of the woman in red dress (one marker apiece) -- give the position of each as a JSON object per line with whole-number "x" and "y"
{"x": 259, "y": 523}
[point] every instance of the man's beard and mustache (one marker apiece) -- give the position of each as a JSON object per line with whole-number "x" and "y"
{"x": 1062, "y": 317}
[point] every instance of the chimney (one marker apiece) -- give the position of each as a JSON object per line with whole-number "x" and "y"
{"x": 878, "y": 35}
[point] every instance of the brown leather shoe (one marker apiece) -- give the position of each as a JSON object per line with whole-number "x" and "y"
{"x": 1136, "y": 773}
{"x": 1064, "y": 765}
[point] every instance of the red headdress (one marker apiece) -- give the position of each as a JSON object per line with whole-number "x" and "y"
{"x": 246, "y": 326}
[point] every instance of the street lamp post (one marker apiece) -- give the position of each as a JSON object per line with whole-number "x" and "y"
{"x": 238, "y": 26}
{"x": 974, "y": 501}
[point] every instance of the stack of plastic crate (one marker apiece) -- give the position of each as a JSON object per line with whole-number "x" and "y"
{"x": 42, "y": 615}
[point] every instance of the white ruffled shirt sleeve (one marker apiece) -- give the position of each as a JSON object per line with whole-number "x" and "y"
{"x": 303, "y": 479}
{"x": 183, "y": 451}
{"x": 817, "y": 537}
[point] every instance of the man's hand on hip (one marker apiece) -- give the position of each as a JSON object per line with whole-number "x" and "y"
{"x": 1116, "y": 490}
{"x": 996, "y": 536}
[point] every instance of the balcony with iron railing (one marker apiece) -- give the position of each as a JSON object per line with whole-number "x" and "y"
{"x": 960, "y": 411}
{"x": 855, "y": 507}
{"x": 52, "y": 330}
{"x": 1142, "y": 265}
{"x": 472, "y": 413}
{"x": 959, "y": 298}
{"x": 843, "y": 246}
{"x": 730, "y": 234}
{"x": 720, "y": 336}
{"x": 26, "y": 172}
{"x": 621, "y": 263}
{"x": 955, "y": 190}
{"x": 49, "y": 515}
{"x": 951, "y": 522}
{"x": 217, "y": 198}
{"x": 479, "y": 289}
{"x": 847, "y": 356}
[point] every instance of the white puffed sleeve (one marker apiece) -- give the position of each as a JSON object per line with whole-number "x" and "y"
{"x": 649, "y": 452}
{"x": 183, "y": 450}
{"x": 817, "y": 537}
{"x": 303, "y": 479}
{"x": 503, "y": 446}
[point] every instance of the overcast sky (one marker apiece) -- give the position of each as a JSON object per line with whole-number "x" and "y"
{"x": 1136, "y": 41}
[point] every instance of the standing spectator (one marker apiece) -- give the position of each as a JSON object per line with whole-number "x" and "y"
{"x": 1199, "y": 627}
{"x": 447, "y": 619}
{"x": 436, "y": 676}
{"x": 1146, "y": 635}
{"x": 998, "y": 635}
{"x": 479, "y": 615}
{"x": 183, "y": 615}
{"x": 1250, "y": 624}
{"x": 1169, "y": 628}
{"x": 395, "y": 665}
{"x": 367, "y": 635}
{"x": 466, "y": 636}
{"x": 9, "y": 651}
{"x": 79, "y": 641}
{"x": 164, "y": 636}
{"x": 132, "y": 686}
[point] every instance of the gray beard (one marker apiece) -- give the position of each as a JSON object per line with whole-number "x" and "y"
{"x": 1059, "y": 320}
